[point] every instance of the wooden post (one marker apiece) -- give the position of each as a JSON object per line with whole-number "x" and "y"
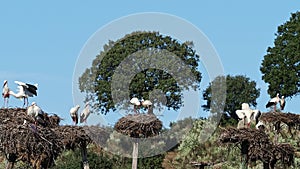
{"x": 244, "y": 151}
{"x": 135, "y": 153}
{"x": 277, "y": 131}
{"x": 84, "y": 157}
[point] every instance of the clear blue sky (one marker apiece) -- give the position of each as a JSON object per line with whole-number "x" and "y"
{"x": 40, "y": 41}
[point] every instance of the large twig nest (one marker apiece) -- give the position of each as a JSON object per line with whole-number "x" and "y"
{"x": 73, "y": 137}
{"x": 38, "y": 145}
{"x": 139, "y": 125}
{"x": 259, "y": 145}
{"x": 289, "y": 119}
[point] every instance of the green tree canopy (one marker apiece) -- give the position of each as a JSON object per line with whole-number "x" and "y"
{"x": 239, "y": 89}
{"x": 281, "y": 65}
{"x": 143, "y": 65}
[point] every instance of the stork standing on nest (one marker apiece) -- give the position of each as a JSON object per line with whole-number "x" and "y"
{"x": 85, "y": 113}
{"x": 282, "y": 103}
{"x": 36, "y": 112}
{"x": 5, "y": 93}
{"x": 25, "y": 90}
{"x": 246, "y": 115}
{"x": 136, "y": 104}
{"x": 147, "y": 104}
{"x": 273, "y": 102}
{"x": 74, "y": 114}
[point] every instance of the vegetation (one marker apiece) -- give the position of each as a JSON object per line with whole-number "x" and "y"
{"x": 275, "y": 146}
{"x": 239, "y": 89}
{"x": 141, "y": 74}
{"x": 281, "y": 65}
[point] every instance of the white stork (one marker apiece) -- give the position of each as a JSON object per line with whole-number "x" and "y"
{"x": 247, "y": 114}
{"x": 34, "y": 111}
{"x": 25, "y": 90}
{"x": 260, "y": 125}
{"x": 136, "y": 104}
{"x": 273, "y": 102}
{"x": 85, "y": 113}
{"x": 5, "y": 93}
{"x": 74, "y": 114}
{"x": 255, "y": 115}
{"x": 147, "y": 104}
{"x": 282, "y": 103}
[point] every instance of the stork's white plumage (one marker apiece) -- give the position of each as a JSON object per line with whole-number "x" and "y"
{"x": 135, "y": 101}
{"x": 34, "y": 111}
{"x": 85, "y": 113}
{"x": 147, "y": 104}
{"x": 20, "y": 95}
{"x": 255, "y": 116}
{"x": 282, "y": 103}
{"x": 242, "y": 114}
{"x": 246, "y": 111}
{"x": 74, "y": 114}
{"x": 247, "y": 114}
{"x": 25, "y": 90}
{"x": 273, "y": 102}
{"x": 136, "y": 104}
{"x": 245, "y": 106}
{"x": 259, "y": 125}
{"x": 5, "y": 93}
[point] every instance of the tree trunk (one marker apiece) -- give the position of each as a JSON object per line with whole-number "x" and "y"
{"x": 84, "y": 157}
{"x": 135, "y": 153}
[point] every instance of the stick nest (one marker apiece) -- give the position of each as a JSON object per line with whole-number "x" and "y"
{"x": 258, "y": 145}
{"x": 40, "y": 145}
{"x": 139, "y": 125}
{"x": 289, "y": 119}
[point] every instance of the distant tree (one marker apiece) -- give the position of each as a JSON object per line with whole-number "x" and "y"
{"x": 281, "y": 65}
{"x": 97, "y": 81}
{"x": 239, "y": 89}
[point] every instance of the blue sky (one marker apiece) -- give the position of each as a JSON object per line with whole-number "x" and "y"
{"x": 41, "y": 41}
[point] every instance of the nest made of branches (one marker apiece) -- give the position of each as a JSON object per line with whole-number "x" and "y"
{"x": 73, "y": 137}
{"x": 139, "y": 125}
{"x": 258, "y": 145}
{"x": 18, "y": 115}
{"x": 289, "y": 119}
{"x": 41, "y": 143}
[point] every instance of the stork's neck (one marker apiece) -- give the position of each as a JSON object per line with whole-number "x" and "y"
{"x": 5, "y": 85}
{"x": 16, "y": 95}
{"x": 12, "y": 93}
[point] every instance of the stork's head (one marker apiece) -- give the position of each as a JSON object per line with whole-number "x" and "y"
{"x": 282, "y": 97}
{"x": 5, "y": 82}
{"x": 277, "y": 95}
{"x": 33, "y": 104}
{"x": 245, "y": 106}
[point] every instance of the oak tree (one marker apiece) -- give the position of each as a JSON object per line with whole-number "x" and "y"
{"x": 143, "y": 65}
{"x": 281, "y": 65}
